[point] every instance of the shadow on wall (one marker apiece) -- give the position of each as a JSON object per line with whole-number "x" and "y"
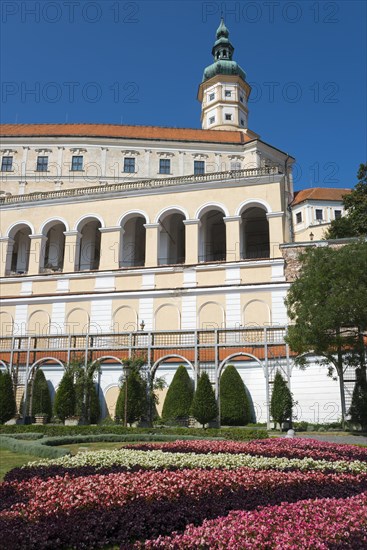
{"x": 251, "y": 404}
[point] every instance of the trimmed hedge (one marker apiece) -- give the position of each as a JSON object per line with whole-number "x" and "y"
{"x": 51, "y": 430}
{"x": 179, "y": 396}
{"x": 31, "y": 448}
{"x": 26, "y": 435}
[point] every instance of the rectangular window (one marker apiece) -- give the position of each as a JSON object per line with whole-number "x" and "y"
{"x": 212, "y": 120}
{"x": 235, "y": 165}
{"x": 227, "y": 93}
{"x": 129, "y": 165}
{"x": 241, "y": 98}
{"x": 228, "y": 117}
{"x": 164, "y": 166}
{"x": 211, "y": 97}
{"x": 242, "y": 122}
{"x": 42, "y": 164}
{"x": 7, "y": 164}
{"x": 337, "y": 214}
{"x": 299, "y": 217}
{"x": 77, "y": 163}
{"x": 199, "y": 167}
{"x": 318, "y": 214}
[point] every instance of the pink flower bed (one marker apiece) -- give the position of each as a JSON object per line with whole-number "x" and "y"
{"x": 275, "y": 447}
{"x": 317, "y": 524}
{"x": 93, "y": 511}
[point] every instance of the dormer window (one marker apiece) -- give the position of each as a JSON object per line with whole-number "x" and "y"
{"x": 224, "y": 53}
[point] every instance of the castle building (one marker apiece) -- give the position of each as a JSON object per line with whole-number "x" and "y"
{"x": 168, "y": 242}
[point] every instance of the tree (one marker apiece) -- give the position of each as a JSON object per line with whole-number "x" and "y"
{"x": 234, "y": 403}
{"x": 328, "y": 306}
{"x": 354, "y": 223}
{"x": 358, "y": 408}
{"x": 84, "y": 373}
{"x": 132, "y": 402}
{"x": 40, "y": 395}
{"x": 95, "y": 407}
{"x": 7, "y": 399}
{"x": 281, "y": 400}
{"x": 179, "y": 396}
{"x": 64, "y": 405}
{"x": 204, "y": 406}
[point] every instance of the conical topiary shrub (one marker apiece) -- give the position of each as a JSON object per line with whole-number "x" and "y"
{"x": 94, "y": 405}
{"x": 41, "y": 399}
{"x": 7, "y": 399}
{"x": 281, "y": 401}
{"x": 64, "y": 405}
{"x": 179, "y": 396}
{"x": 204, "y": 406}
{"x": 358, "y": 408}
{"x": 137, "y": 403}
{"x": 234, "y": 403}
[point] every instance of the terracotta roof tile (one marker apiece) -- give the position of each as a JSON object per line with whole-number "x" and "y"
{"x": 320, "y": 194}
{"x": 122, "y": 131}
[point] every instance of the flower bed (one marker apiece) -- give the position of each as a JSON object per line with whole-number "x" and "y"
{"x": 276, "y": 447}
{"x": 165, "y": 499}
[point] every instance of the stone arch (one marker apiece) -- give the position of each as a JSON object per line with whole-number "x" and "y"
{"x": 212, "y": 234}
{"x": 89, "y": 242}
{"x": 37, "y": 364}
{"x": 255, "y": 235}
{"x": 204, "y": 208}
{"x": 46, "y": 225}
{"x": 132, "y": 214}
{"x": 161, "y": 360}
{"x": 86, "y": 218}
{"x": 75, "y": 326}
{"x": 167, "y": 211}
{"x": 100, "y": 359}
{"x": 253, "y": 202}
{"x": 171, "y": 237}
{"x": 212, "y": 311}
{"x": 19, "y": 247}
{"x": 167, "y": 322}
{"x": 13, "y": 228}
{"x": 130, "y": 325}
{"x": 133, "y": 240}
{"x": 253, "y": 309}
{"x": 39, "y": 323}
{"x": 52, "y": 251}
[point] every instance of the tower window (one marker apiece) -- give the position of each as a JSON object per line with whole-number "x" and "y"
{"x": 337, "y": 214}
{"x": 212, "y": 120}
{"x": 299, "y": 217}
{"x": 224, "y": 53}
{"x": 77, "y": 163}
{"x": 42, "y": 164}
{"x": 199, "y": 167}
{"x": 227, "y": 93}
{"x": 241, "y": 98}
{"x": 228, "y": 117}
{"x": 7, "y": 164}
{"x": 318, "y": 214}
{"x": 242, "y": 122}
{"x": 164, "y": 166}
{"x": 129, "y": 165}
{"x": 211, "y": 97}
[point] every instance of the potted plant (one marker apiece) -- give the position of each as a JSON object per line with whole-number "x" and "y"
{"x": 41, "y": 418}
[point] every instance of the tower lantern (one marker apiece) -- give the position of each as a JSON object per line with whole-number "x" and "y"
{"x": 224, "y": 92}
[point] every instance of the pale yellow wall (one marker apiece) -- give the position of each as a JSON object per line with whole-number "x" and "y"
{"x": 39, "y": 318}
{"x": 77, "y": 317}
{"x": 167, "y": 315}
{"x": 255, "y": 274}
{"x": 7, "y": 321}
{"x": 111, "y": 396}
{"x": 125, "y": 317}
{"x": 211, "y": 312}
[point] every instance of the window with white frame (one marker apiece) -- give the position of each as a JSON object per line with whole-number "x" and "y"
{"x": 7, "y": 164}
{"x": 212, "y": 96}
{"x": 337, "y": 214}
{"x": 77, "y": 163}
{"x": 227, "y": 93}
{"x": 318, "y": 214}
{"x": 199, "y": 167}
{"x": 299, "y": 217}
{"x": 42, "y": 164}
{"x": 212, "y": 120}
{"x": 164, "y": 166}
{"x": 129, "y": 165}
{"x": 228, "y": 116}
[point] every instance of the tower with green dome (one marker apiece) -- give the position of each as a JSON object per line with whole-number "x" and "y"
{"x": 224, "y": 92}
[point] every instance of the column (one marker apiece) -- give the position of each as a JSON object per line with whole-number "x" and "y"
{"x": 71, "y": 253}
{"x": 6, "y": 251}
{"x": 276, "y": 236}
{"x": 110, "y": 247}
{"x": 103, "y": 161}
{"x": 192, "y": 241}
{"x": 23, "y": 171}
{"x": 36, "y": 252}
{"x": 233, "y": 238}
{"x": 151, "y": 244}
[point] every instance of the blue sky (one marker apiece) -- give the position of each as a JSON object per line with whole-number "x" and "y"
{"x": 141, "y": 63}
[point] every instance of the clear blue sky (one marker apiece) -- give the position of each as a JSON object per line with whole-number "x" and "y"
{"x": 141, "y": 63}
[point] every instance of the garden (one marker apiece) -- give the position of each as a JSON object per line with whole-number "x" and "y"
{"x": 281, "y": 493}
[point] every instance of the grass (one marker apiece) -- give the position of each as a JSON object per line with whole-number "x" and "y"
{"x": 96, "y": 446}
{"x": 10, "y": 460}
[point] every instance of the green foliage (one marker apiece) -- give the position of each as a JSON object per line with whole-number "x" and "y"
{"x": 7, "y": 399}
{"x": 41, "y": 399}
{"x": 358, "y": 408}
{"x": 234, "y": 403}
{"x": 84, "y": 374}
{"x": 133, "y": 392}
{"x": 328, "y": 306}
{"x": 204, "y": 406}
{"x": 179, "y": 396}
{"x": 52, "y": 430}
{"x": 95, "y": 407}
{"x": 64, "y": 405}
{"x": 281, "y": 400}
{"x": 34, "y": 448}
{"x": 354, "y": 223}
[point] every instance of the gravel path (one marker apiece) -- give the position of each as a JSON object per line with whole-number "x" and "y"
{"x": 349, "y": 439}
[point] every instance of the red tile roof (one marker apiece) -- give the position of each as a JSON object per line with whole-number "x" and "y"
{"x": 122, "y": 131}
{"x": 320, "y": 194}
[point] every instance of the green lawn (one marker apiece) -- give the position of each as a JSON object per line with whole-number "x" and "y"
{"x": 10, "y": 460}
{"x": 96, "y": 446}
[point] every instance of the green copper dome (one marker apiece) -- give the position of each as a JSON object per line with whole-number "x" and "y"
{"x": 222, "y": 52}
